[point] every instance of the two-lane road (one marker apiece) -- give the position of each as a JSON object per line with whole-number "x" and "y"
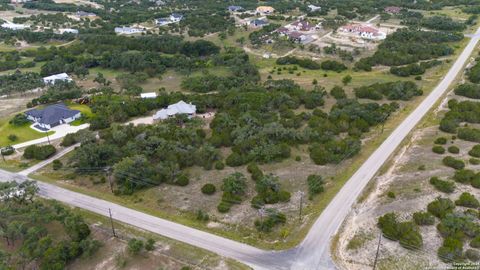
{"x": 314, "y": 251}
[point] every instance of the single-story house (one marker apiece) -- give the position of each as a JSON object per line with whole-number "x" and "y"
{"x": 128, "y": 30}
{"x": 69, "y": 30}
{"x": 235, "y": 8}
{"x": 148, "y": 95}
{"x": 85, "y": 14}
{"x": 14, "y": 26}
{"x": 258, "y": 23}
{"x": 314, "y": 8}
{"x": 364, "y": 31}
{"x": 162, "y": 21}
{"x": 265, "y": 10}
{"x": 180, "y": 107}
{"x": 50, "y": 80}
{"x": 300, "y": 26}
{"x": 393, "y": 10}
{"x": 19, "y": 1}
{"x": 52, "y": 116}
{"x": 176, "y": 17}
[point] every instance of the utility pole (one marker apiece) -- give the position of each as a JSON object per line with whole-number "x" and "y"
{"x": 48, "y": 137}
{"x": 378, "y": 250}
{"x": 109, "y": 176}
{"x": 111, "y": 221}
{"x": 301, "y": 206}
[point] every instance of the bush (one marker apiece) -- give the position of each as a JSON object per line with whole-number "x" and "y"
{"x": 474, "y": 161}
{"x": 333, "y": 65}
{"x": 338, "y": 93}
{"x": 202, "y": 216}
{"x": 19, "y": 120}
{"x": 469, "y": 134}
{"x": 182, "y": 180}
{"x": 6, "y": 151}
{"x": 274, "y": 218}
{"x": 464, "y": 176}
{"x": 235, "y": 160}
{"x": 467, "y": 200}
{"x": 409, "y": 236}
{"x": 475, "y": 243}
{"x": 12, "y": 137}
{"x": 453, "y": 149}
{"x": 135, "y": 246}
{"x": 39, "y": 152}
{"x": 453, "y": 163}
{"x": 472, "y": 255}
{"x": 438, "y": 149}
{"x": 68, "y": 140}
{"x": 475, "y": 151}
{"x": 57, "y": 164}
{"x": 219, "y": 165}
{"x": 315, "y": 185}
{"x": 468, "y": 90}
{"x": 255, "y": 171}
{"x": 423, "y": 218}
{"x": 391, "y": 194}
{"x": 442, "y": 185}
{"x": 224, "y": 207}
{"x": 451, "y": 250}
{"x": 208, "y": 189}
{"x": 440, "y": 207}
{"x": 440, "y": 140}
{"x": 389, "y": 226}
{"x": 150, "y": 245}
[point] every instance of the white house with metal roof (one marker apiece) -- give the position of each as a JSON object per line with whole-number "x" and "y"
{"x": 50, "y": 80}
{"x": 180, "y": 107}
{"x": 14, "y": 26}
{"x": 148, "y": 95}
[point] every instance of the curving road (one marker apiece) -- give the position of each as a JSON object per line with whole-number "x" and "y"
{"x": 314, "y": 251}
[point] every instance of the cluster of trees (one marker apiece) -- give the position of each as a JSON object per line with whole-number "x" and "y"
{"x": 19, "y": 82}
{"x": 333, "y": 65}
{"x": 469, "y": 90}
{"x": 26, "y": 230}
{"x": 463, "y": 111}
{"x": 61, "y": 90}
{"x": 407, "y": 232}
{"x": 440, "y": 23}
{"x": 39, "y": 152}
{"x": 10, "y": 36}
{"x": 302, "y": 62}
{"x": 399, "y": 90}
{"x": 414, "y": 69}
{"x": 407, "y": 46}
{"x": 473, "y": 74}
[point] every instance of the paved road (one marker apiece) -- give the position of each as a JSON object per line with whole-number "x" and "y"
{"x": 313, "y": 252}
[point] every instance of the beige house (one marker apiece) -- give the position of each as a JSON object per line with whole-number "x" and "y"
{"x": 265, "y": 10}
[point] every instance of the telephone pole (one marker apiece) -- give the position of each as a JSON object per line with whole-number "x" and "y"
{"x": 378, "y": 250}
{"x": 301, "y": 206}
{"x": 111, "y": 221}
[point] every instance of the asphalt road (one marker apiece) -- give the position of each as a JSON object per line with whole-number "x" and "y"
{"x": 314, "y": 251}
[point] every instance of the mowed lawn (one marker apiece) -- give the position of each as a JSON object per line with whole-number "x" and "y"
{"x": 24, "y": 133}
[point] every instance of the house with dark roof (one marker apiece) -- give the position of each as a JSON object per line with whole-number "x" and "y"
{"x": 52, "y": 116}
{"x": 235, "y": 8}
{"x": 258, "y": 23}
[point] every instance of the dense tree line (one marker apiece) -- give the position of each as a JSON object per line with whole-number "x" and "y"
{"x": 464, "y": 111}
{"x": 399, "y": 90}
{"x": 414, "y": 69}
{"x": 19, "y": 82}
{"x": 407, "y": 46}
{"x": 440, "y": 23}
{"x": 26, "y": 230}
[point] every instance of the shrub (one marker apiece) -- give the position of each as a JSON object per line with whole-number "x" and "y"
{"x": 333, "y": 65}
{"x": 440, "y": 207}
{"x": 440, "y": 140}
{"x": 438, "y": 149}
{"x": 472, "y": 255}
{"x": 423, "y": 218}
{"x": 12, "y": 137}
{"x": 338, "y": 93}
{"x": 464, "y": 176}
{"x": 442, "y": 185}
{"x": 255, "y": 171}
{"x": 69, "y": 139}
{"x": 235, "y": 160}
{"x": 468, "y": 90}
{"x": 474, "y": 161}
{"x": 469, "y": 134}
{"x": 467, "y": 200}
{"x": 274, "y": 218}
{"x": 389, "y": 226}
{"x": 475, "y": 182}
{"x": 135, "y": 246}
{"x": 39, "y": 152}
{"x": 453, "y": 163}
{"x": 315, "y": 185}
{"x": 6, "y": 151}
{"x": 454, "y": 149}
{"x": 202, "y": 216}
{"x": 409, "y": 236}
{"x": 208, "y": 189}
{"x": 57, "y": 164}
{"x": 224, "y": 207}
{"x": 182, "y": 180}
{"x": 475, "y": 151}
{"x": 391, "y": 194}
{"x": 19, "y": 120}
{"x": 219, "y": 165}
{"x": 475, "y": 243}
{"x": 150, "y": 245}
{"x": 451, "y": 250}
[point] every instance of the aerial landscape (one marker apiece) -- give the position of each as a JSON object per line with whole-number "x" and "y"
{"x": 187, "y": 134}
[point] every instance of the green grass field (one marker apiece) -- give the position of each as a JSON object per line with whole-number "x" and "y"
{"x": 24, "y": 133}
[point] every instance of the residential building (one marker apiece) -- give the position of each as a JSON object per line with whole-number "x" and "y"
{"x": 258, "y": 23}
{"x": 178, "y": 108}
{"x": 85, "y": 14}
{"x": 52, "y": 116}
{"x": 14, "y": 26}
{"x": 176, "y": 17}
{"x": 50, "y": 80}
{"x": 364, "y": 31}
{"x": 296, "y": 36}
{"x": 393, "y": 10}
{"x": 314, "y": 8}
{"x": 69, "y": 30}
{"x": 265, "y": 10}
{"x": 162, "y": 21}
{"x": 300, "y": 26}
{"x": 148, "y": 95}
{"x": 128, "y": 30}
{"x": 235, "y": 8}
{"x": 19, "y": 1}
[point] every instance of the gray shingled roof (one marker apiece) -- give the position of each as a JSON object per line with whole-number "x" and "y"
{"x": 52, "y": 114}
